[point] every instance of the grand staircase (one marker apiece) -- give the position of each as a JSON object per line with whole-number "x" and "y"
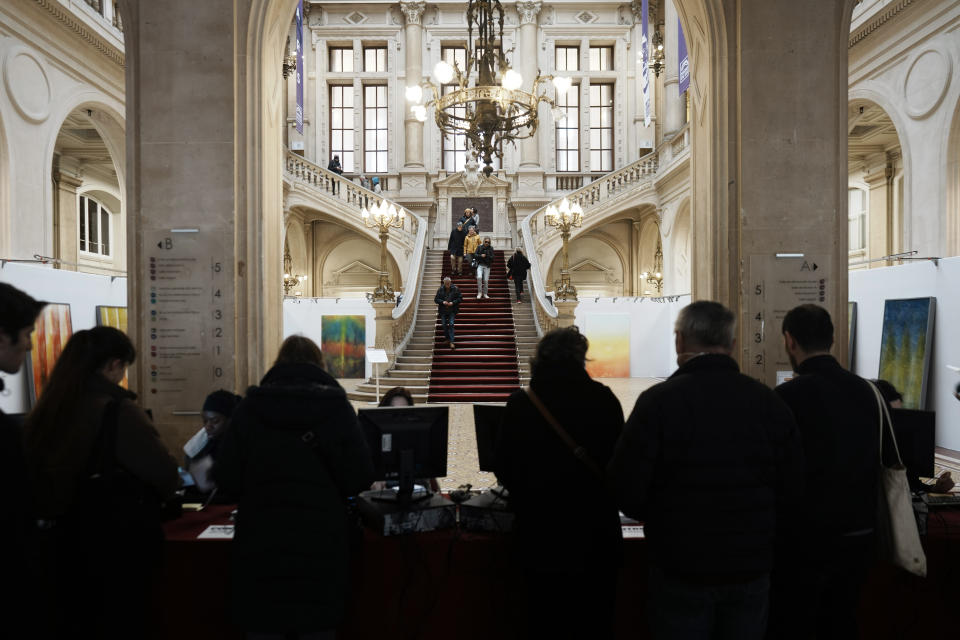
{"x": 483, "y": 368}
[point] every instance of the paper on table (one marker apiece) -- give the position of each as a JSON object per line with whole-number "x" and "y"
{"x": 196, "y": 444}
{"x": 217, "y": 532}
{"x": 632, "y": 531}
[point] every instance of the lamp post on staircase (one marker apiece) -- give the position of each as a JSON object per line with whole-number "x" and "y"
{"x": 382, "y": 217}
{"x": 565, "y": 218}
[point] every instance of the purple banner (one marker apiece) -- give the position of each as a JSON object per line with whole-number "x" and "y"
{"x": 684, "y": 68}
{"x": 645, "y": 62}
{"x": 300, "y": 67}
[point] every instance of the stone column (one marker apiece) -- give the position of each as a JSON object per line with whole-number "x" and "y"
{"x": 566, "y": 313}
{"x": 65, "y": 222}
{"x": 384, "y": 332}
{"x": 880, "y": 211}
{"x": 675, "y": 108}
{"x": 645, "y": 137}
{"x": 413, "y": 174}
{"x": 525, "y": 61}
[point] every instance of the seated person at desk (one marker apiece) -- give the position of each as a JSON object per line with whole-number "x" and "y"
{"x": 201, "y": 450}
{"x": 401, "y": 397}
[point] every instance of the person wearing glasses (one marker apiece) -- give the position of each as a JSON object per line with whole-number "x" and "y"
{"x": 484, "y": 258}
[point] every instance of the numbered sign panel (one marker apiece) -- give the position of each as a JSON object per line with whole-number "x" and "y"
{"x": 777, "y": 285}
{"x": 189, "y": 319}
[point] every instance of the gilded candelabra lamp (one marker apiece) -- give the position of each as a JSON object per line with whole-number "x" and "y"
{"x": 565, "y": 218}
{"x": 383, "y": 216}
{"x": 290, "y": 280}
{"x": 495, "y": 109}
{"x": 655, "y": 278}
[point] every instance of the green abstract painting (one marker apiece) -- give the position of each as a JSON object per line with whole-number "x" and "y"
{"x": 906, "y": 342}
{"x": 343, "y": 340}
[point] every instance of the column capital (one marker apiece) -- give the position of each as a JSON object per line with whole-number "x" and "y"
{"x": 413, "y": 10}
{"x": 528, "y": 10}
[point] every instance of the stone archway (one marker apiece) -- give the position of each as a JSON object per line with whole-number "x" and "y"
{"x": 953, "y": 185}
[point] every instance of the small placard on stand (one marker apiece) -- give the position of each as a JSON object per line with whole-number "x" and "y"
{"x": 376, "y": 357}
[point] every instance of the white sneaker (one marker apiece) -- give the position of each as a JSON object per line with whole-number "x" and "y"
{"x": 479, "y": 296}
{"x": 487, "y": 297}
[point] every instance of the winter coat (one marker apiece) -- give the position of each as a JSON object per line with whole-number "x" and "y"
{"x": 291, "y": 543}
{"x": 708, "y": 459}
{"x": 545, "y": 479}
{"x": 517, "y": 266}
{"x": 455, "y": 244}
{"x": 470, "y": 243}
{"x": 448, "y": 295}
{"x": 485, "y": 255}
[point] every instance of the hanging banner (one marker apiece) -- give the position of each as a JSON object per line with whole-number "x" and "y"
{"x": 300, "y": 67}
{"x": 684, "y": 68}
{"x": 645, "y": 62}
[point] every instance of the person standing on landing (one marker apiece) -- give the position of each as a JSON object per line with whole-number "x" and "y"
{"x": 484, "y": 262}
{"x": 517, "y": 267}
{"x": 448, "y": 301}
{"x": 455, "y": 247}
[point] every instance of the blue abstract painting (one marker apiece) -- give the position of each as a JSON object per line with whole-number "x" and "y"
{"x": 906, "y": 342}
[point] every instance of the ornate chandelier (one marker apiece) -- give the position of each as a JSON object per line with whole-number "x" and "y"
{"x": 495, "y": 109}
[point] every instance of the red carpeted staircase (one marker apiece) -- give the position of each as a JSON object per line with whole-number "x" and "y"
{"x": 483, "y": 368}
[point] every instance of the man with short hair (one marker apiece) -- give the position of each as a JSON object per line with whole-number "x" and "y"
{"x": 448, "y": 301}
{"x": 18, "y": 313}
{"x": 707, "y": 460}
{"x": 827, "y": 547}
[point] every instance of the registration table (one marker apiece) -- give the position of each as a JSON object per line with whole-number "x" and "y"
{"x": 455, "y": 584}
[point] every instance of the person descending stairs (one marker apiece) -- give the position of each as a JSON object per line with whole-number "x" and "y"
{"x": 483, "y": 368}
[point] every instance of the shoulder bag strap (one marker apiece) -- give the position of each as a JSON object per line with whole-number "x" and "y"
{"x": 578, "y": 451}
{"x": 885, "y": 416}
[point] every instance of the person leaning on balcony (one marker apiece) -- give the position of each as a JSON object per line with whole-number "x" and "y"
{"x": 455, "y": 247}
{"x": 485, "y": 256}
{"x": 470, "y": 244}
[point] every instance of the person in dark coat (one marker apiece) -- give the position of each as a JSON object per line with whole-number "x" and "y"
{"x": 217, "y": 412}
{"x": 293, "y": 456}
{"x": 18, "y": 313}
{"x": 334, "y": 166}
{"x": 484, "y": 256}
{"x": 448, "y": 301}
{"x": 517, "y": 267}
{"x": 100, "y": 474}
{"x": 470, "y": 218}
{"x": 828, "y": 547}
{"x": 567, "y": 525}
{"x": 455, "y": 247}
{"x": 708, "y": 460}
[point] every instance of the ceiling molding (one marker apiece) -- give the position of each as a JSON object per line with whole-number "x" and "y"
{"x": 70, "y": 22}
{"x": 876, "y": 22}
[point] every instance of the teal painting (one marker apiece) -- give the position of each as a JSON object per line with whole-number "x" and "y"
{"x": 906, "y": 342}
{"x": 343, "y": 341}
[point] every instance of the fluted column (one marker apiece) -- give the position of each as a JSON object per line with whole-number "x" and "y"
{"x": 674, "y": 106}
{"x": 413, "y": 128}
{"x": 525, "y": 61}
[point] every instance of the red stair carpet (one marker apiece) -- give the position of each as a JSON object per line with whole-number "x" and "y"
{"x": 484, "y": 366}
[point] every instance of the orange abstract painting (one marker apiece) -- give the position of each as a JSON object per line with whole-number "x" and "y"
{"x": 609, "y": 354}
{"x": 52, "y": 330}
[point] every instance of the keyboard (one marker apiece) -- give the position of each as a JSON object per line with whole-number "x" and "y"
{"x": 943, "y": 500}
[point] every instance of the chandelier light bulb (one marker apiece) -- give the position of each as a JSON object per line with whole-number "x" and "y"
{"x": 391, "y": 213}
{"x": 564, "y": 206}
{"x": 419, "y": 111}
{"x": 286, "y": 275}
{"x": 512, "y": 80}
{"x": 443, "y": 72}
{"x": 562, "y": 84}
{"x": 365, "y": 213}
{"x": 414, "y": 93}
{"x": 559, "y": 115}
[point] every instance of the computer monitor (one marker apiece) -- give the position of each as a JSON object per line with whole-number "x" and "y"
{"x": 915, "y": 431}
{"x": 486, "y": 421}
{"x": 406, "y": 443}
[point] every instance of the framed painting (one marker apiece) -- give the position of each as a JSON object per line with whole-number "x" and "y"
{"x": 609, "y": 353}
{"x": 906, "y": 343}
{"x": 50, "y": 335}
{"x": 343, "y": 341}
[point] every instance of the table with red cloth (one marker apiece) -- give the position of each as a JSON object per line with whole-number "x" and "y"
{"x": 456, "y": 584}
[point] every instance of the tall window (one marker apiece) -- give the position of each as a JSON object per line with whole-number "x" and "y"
{"x": 341, "y": 125}
{"x": 341, "y": 60}
{"x": 857, "y": 218}
{"x": 454, "y": 145}
{"x": 375, "y": 128}
{"x": 567, "y": 58}
{"x": 374, "y": 59}
{"x": 568, "y": 130}
{"x": 94, "y": 227}
{"x": 454, "y": 56}
{"x": 601, "y": 127}
{"x": 601, "y": 58}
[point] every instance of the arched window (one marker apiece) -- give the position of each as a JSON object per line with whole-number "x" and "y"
{"x": 95, "y": 230}
{"x": 857, "y": 218}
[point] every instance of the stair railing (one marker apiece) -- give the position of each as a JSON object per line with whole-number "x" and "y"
{"x": 536, "y": 233}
